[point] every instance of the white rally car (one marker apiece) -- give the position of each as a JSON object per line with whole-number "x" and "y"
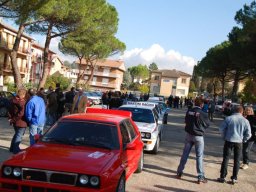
{"x": 145, "y": 116}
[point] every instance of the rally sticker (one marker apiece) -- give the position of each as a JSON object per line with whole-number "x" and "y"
{"x": 96, "y": 155}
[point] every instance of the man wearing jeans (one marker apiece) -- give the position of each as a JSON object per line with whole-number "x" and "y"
{"x": 196, "y": 122}
{"x": 35, "y": 115}
{"x": 235, "y": 130}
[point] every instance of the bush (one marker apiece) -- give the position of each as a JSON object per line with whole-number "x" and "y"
{"x": 57, "y": 78}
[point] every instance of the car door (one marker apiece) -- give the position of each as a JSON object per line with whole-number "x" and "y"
{"x": 128, "y": 149}
{"x": 136, "y": 142}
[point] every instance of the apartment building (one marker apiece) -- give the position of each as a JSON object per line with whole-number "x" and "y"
{"x": 108, "y": 74}
{"x": 169, "y": 82}
{"x": 37, "y": 65}
{"x": 7, "y": 39}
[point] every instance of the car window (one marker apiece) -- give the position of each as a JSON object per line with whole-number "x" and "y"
{"x": 130, "y": 128}
{"x": 125, "y": 134}
{"x": 140, "y": 115}
{"x": 85, "y": 133}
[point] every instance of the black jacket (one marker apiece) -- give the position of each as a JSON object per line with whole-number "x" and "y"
{"x": 252, "y": 121}
{"x": 196, "y": 121}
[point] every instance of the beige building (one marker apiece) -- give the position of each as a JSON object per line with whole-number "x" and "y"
{"x": 108, "y": 75}
{"x": 7, "y": 39}
{"x": 169, "y": 82}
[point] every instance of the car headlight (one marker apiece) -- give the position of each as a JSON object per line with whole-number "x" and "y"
{"x": 16, "y": 172}
{"x": 148, "y": 135}
{"x": 83, "y": 179}
{"x": 142, "y": 134}
{"x": 7, "y": 171}
{"x": 94, "y": 181}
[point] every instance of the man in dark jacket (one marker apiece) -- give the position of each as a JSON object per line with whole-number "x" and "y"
{"x": 196, "y": 122}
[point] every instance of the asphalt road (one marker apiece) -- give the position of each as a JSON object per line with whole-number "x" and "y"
{"x": 160, "y": 170}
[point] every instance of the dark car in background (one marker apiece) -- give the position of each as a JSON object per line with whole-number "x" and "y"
{"x": 5, "y": 98}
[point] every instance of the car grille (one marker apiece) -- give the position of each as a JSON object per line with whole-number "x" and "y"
{"x": 40, "y": 189}
{"x": 49, "y": 176}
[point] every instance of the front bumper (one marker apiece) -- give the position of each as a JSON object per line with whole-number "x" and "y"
{"x": 11, "y": 185}
{"x": 149, "y": 144}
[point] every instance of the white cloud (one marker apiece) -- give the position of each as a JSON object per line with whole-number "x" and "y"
{"x": 54, "y": 46}
{"x": 164, "y": 59}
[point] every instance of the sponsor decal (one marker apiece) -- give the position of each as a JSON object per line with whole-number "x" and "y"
{"x": 96, "y": 155}
{"x": 141, "y": 103}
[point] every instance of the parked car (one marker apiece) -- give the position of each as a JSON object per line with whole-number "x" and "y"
{"x": 146, "y": 117}
{"x": 95, "y": 151}
{"x": 5, "y": 98}
{"x": 96, "y": 99}
{"x": 164, "y": 110}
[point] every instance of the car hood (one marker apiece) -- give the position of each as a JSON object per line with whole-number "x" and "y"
{"x": 64, "y": 158}
{"x": 145, "y": 127}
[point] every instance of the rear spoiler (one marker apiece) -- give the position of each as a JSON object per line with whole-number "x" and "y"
{"x": 109, "y": 111}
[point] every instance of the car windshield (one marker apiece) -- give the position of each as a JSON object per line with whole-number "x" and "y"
{"x": 83, "y": 133}
{"x": 140, "y": 115}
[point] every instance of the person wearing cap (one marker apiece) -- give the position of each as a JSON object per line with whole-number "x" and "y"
{"x": 79, "y": 102}
{"x": 35, "y": 115}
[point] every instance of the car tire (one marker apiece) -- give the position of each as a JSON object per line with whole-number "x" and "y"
{"x": 156, "y": 147}
{"x": 140, "y": 164}
{"x": 121, "y": 184}
{"x": 3, "y": 112}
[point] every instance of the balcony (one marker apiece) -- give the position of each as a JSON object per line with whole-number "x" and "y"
{"x": 100, "y": 84}
{"x": 8, "y": 69}
{"x": 9, "y": 46}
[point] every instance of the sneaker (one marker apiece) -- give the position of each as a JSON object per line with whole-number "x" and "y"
{"x": 221, "y": 180}
{"x": 233, "y": 181}
{"x": 202, "y": 180}
{"x": 244, "y": 166}
{"x": 179, "y": 175}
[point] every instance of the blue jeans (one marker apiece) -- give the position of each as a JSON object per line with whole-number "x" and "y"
{"x": 17, "y": 138}
{"x": 33, "y": 130}
{"x": 198, "y": 141}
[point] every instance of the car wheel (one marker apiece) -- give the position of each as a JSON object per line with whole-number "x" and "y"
{"x": 3, "y": 112}
{"x": 141, "y": 163}
{"x": 121, "y": 184}
{"x": 156, "y": 147}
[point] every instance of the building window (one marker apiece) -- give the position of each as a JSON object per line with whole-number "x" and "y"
{"x": 180, "y": 92}
{"x": 166, "y": 80}
{"x": 157, "y": 77}
{"x": 104, "y": 81}
{"x": 94, "y": 80}
{"x": 106, "y": 71}
{"x": 183, "y": 81}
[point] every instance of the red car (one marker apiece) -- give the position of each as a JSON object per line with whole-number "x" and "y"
{"x": 95, "y": 151}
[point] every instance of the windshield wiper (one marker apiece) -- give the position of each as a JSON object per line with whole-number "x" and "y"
{"x": 98, "y": 145}
{"x": 59, "y": 140}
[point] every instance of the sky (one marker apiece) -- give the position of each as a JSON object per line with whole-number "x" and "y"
{"x": 175, "y": 34}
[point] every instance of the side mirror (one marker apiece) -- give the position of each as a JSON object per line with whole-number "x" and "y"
{"x": 37, "y": 137}
{"x": 129, "y": 146}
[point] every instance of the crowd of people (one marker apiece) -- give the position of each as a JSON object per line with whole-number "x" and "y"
{"x": 39, "y": 109}
{"x": 115, "y": 99}
{"x": 238, "y": 131}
